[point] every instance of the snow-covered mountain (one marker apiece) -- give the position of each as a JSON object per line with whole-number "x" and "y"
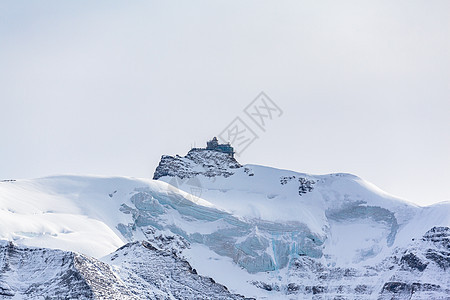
{"x": 135, "y": 271}
{"x": 261, "y": 232}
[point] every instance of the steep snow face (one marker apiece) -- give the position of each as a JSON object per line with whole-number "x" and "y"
{"x": 66, "y": 212}
{"x": 73, "y": 213}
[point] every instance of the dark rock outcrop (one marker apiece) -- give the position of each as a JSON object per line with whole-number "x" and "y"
{"x": 197, "y": 162}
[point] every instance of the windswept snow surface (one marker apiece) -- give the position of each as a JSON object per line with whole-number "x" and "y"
{"x": 74, "y": 213}
{"x": 256, "y": 229}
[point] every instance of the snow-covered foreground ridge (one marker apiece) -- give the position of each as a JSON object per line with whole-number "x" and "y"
{"x": 135, "y": 271}
{"x": 262, "y": 232}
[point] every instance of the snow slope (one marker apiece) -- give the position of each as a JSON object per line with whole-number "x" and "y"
{"x": 74, "y": 213}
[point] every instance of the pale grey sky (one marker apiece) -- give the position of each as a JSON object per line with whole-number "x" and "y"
{"x": 107, "y": 87}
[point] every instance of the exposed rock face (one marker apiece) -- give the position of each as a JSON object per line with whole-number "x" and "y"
{"x": 440, "y": 254}
{"x": 140, "y": 272}
{"x": 305, "y": 185}
{"x": 410, "y": 273}
{"x": 30, "y": 273}
{"x": 151, "y": 273}
{"x": 197, "y": 162}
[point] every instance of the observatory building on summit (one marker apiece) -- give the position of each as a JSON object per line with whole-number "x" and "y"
{"x": 215, "y": 146}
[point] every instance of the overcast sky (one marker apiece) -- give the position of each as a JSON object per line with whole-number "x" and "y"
{"x": 107, "y": 87}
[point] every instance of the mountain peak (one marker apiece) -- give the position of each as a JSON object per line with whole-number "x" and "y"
{"x": 209, "y": 162}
